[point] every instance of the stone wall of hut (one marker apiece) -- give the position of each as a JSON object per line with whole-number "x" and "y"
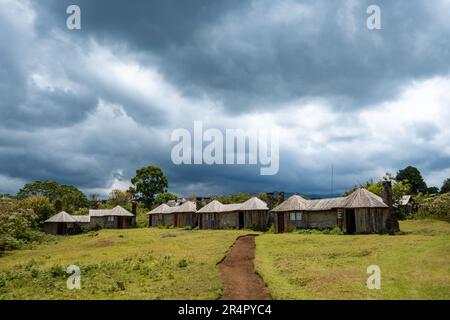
{"x": 322, "y": 219}
{"x": 110, "y": 222}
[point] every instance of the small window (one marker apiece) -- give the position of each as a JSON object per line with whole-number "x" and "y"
{"x": 110, "y": 219}
{"x": 296, "y": 216}
{"x": 211, "y": 216}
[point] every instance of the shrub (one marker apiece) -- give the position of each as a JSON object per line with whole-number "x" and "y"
{"x": 182, "y": 263}
{"x": 435, "y": 207}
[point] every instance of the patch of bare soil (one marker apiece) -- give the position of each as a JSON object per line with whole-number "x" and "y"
{"x": 238, "y": 273}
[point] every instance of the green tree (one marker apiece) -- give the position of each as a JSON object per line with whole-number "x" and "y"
{"x": 148, "y": 182}
{"x": 41, "y": 206}
{"x": 46, "y": 188}
{"x": 413, "y": 176}
{"x": 164, "y": 197}
{"x": 432, "y": 190}
{"x": 119, "y": 198}
{"x": 62, "y": 197}
{"x": 446, "y": 186}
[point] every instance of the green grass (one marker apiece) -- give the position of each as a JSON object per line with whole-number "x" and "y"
{"x": 145, "y": 263}
{"x": 414, "y": 265}
{"x": 151, "y": 263}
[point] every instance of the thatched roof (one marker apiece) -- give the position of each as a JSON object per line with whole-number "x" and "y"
{"x": 162, "y": 209}
{"x": 187, "y": 207}
{"x": 360, "y": 198}
{"x": 116, "y": 211}
{"x": 61, "y": 217}
{"x": 231, "y": 207}
{"x": 82, "y": 219}
{"x": 324, "y": 204}
{"x": 213, "y": 206}
{"x": 293, "y": 203}
{"x": 249, "y": 205}
{"x": 253, "y": 204}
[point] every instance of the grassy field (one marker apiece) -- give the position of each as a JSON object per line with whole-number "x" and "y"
{"x": 150, "y": 263}
{"x": 414, "y": 265}
{"x": 120, "y": 264}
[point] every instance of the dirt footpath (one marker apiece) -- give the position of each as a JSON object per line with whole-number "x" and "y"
{"x": 238, "y": 273}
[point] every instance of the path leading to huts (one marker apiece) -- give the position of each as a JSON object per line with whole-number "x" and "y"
{"x": 238, "y": 273}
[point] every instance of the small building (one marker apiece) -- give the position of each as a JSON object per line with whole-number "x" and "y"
{"x": 252, "y": 214}
{"x": 63, "y": 223}
{"x": 360, "y": 212}
{"x": 161, "y": 216}
{"x": 183, "y": 215}
{"x": 406, "y": 205}
{"x": 118, "y": 218}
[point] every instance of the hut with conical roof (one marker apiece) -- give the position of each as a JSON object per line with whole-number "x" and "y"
{"x": 360, "y": 212}
{"x": 183, "y": 215}
{"x": 161, "y": 216}
{"x": 63, "y": 223}
{"x": 251, "y": 214}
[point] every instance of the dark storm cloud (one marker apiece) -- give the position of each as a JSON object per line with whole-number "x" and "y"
{"x": 85, "y": 107}
{"x": 251, "y": 54}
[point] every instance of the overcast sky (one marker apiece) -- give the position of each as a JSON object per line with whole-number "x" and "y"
{"x": 88, "y": 107}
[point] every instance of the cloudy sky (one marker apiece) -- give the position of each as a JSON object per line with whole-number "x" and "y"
{"x": 88, "y": 107}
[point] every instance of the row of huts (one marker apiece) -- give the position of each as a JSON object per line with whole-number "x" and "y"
{"x": 360, "y": 212}
{"x": 253, "y": 213}
{"x": 116, "y": 218}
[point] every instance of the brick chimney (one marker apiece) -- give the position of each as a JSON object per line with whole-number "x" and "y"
{"x": 392, "y": 222}
{"x": 280, "y": 197}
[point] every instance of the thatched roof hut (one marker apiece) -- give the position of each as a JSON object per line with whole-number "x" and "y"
{"x": 187, "y": 207}
{"x": 293, "y": 203}
{"x": 161, "y": 209}
{"x": 63, "y": 223}
{"x": 61, "y": 217}
{"x": 362, "y": 212}
{"x": 117, "y": 211}
{"x": 252, "y": 213}
{"x": 253, "y": 203}
{"x": 212, "y": 207}
{"x": 363, "y": 198}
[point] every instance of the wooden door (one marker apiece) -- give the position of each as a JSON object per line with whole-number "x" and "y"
{"x": 60, "y": 228}
{"x": 119, "y": 222}
{"x": 241, "y": 220}
{"x": 350, "y": 223}
{"x": 280, "y": 222}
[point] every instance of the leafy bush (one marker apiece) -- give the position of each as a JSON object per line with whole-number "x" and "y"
{"x": 435, "y": 207}
{"x": 16, "y": 226}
